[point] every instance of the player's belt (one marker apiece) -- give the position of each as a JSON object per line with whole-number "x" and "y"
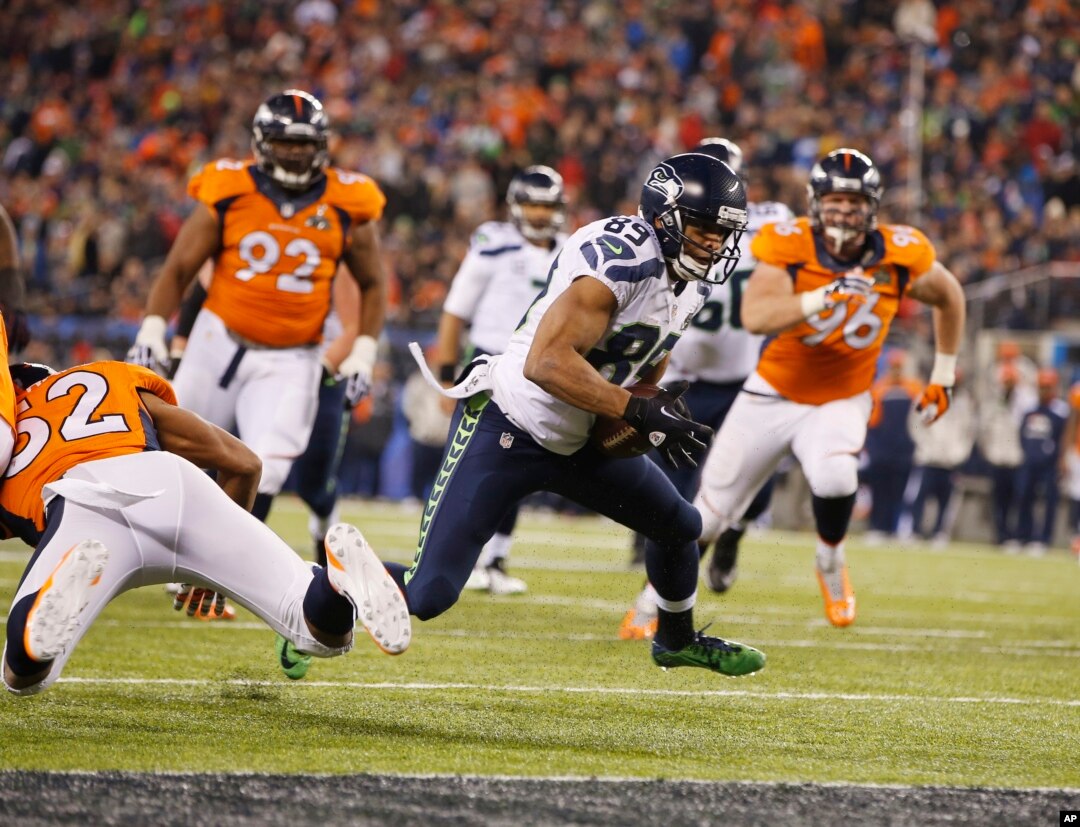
{"x": 251, "y": 344}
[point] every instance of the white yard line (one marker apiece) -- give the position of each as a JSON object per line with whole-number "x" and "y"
{"x": 583, "y": 690}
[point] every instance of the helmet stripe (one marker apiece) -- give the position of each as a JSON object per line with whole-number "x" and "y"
{"x": 298, "y": 104}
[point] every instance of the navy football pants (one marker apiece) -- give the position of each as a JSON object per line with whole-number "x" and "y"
{"x": 490, "y": 464}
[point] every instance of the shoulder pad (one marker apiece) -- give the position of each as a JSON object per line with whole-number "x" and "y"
{"x": 221, "y": 179}
{"x": 783, "y": 243}
{"x": 496, "y": 235}
{"x": 355, "y": 193}
{"x": 908, "y": 247}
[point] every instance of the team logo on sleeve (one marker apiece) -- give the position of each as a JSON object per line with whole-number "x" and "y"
{"x": 664, "y": 180}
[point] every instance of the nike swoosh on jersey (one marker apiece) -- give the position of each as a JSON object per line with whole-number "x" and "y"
{"x": 616, "y": 250}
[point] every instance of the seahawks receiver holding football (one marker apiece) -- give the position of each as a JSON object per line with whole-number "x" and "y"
{"x": 715, "y": 355}
{"x": 620, "y": 293}
{"x": 506, "y": 266}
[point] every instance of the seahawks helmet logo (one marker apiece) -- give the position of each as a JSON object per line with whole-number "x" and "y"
{"x": 664, "y": 180}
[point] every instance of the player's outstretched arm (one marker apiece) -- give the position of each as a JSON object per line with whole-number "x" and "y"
{"x": 198, "y": 239}
{"x": 770, "y": 304}
{"x": 364, "y": 260}
{"x": 940, "y": 289}
{"x": 570, "y": 328}
{"x": 188, "y": 435}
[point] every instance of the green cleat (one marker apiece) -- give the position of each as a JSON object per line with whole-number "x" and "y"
{"x": 294, "y": 663}
{"x": 721, "y": 656}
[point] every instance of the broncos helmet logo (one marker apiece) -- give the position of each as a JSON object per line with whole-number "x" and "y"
{"x": 664, "y": 180}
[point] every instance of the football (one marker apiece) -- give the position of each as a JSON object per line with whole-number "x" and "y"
{"x": 616, "y": 437}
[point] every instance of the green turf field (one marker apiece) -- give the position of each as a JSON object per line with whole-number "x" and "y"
{"x": 962, "y": 669}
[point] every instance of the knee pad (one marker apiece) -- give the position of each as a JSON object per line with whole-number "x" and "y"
{"x": 833, "y": 475}
{"x": 431, "y": 599}
{"x": 680, "y": 526}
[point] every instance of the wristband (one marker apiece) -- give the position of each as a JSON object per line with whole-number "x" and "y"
{"x": 364, "y": 350}
{"x": 944, "y": 371}
{"x": 812, "y": 302}
{"x": 153, "y": 326}
{"x": 447, "y": 374}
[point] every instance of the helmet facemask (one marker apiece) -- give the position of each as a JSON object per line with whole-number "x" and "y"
{"x": 841, "y": 225}
{"x": 703, "y": 267}
{"x": 289, "y": 139}
{"x": 542, "y": 186}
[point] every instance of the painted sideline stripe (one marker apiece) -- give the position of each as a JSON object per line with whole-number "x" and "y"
{"x": 584, "y": 690}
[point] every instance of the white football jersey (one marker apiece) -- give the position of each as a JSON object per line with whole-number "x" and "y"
{"x": 716, "y": 348}
{"x": 624, "y": 254}
{"x": 497, "y": 281}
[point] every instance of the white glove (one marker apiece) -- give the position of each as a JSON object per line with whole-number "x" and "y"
{"x": 849, "y": 286}
{"x": 356, "y": 369}
{"x": 149, "y": 349}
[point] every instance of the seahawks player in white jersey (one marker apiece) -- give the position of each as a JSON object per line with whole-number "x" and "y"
{"x": 620, "y": 293}
{"x": 715, "y": 355}
{"x": 506, "y": 266}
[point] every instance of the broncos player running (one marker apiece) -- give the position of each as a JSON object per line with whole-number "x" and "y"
{"x": 506, "y": 266}
{"x": 825, "y": 290}
{"x": 276, "y": 229}
{"x": 715, "y": 355}
{"x": 620, "y": 293}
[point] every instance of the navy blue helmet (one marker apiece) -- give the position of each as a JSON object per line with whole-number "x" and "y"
{"x": 845, "y": 171}
{"x": 295, "y": 117}
{"x": 695, "y": 189}
{"x": 25, "y": 374}
{"x": 537, "y": 185}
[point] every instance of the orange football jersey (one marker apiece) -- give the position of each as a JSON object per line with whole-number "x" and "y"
{"x": 272, "y": 274}
{"x": 833, "y": 355}
{"x": 88, "y": 412}
{"x": 7, "y": 389}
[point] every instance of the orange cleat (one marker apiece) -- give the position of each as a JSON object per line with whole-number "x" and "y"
{"x": 638, "y": 623}
{"x": 838, "y": 595}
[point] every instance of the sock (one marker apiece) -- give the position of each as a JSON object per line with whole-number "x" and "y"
{"x": 261, "y": 508}
{"x": 17, "y": 658}
{"x": 829, "y": 556}
{"x": 325, "y": 609}
{"x": 675, "y": 629}
{"x": 497, "y": 548}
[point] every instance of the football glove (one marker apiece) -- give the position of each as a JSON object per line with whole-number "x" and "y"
{"x": 934, "y": 402}
{"x": 848, "y": 287}
{"x": 200, "y": 602}
{"x": 665, "y": 418}
{"x": 356, "y": 368}
{"x": 149, "y": 350}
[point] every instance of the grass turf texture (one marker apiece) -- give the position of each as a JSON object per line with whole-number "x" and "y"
{"x": 962, "y": 669}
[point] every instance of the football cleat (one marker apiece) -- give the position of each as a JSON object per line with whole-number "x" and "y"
{"x": 54, "y": 618}
{"x": 357, "y": 574}
{"x": 479, "y": 580}
{"x": 725, "y": 657}
{"x": 501, "y": 583}
{"x": 294, "y": 663}
{"x": 722, "y": 569}
{"x": 836, "y": 589}
{"x": 640, "y": 621}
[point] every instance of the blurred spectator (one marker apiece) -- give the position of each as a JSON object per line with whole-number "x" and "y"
{"x": 939, "y": 453}
{"x": 889, "y": 446}
{"x": 999, "y": 443}
{"x": 1070, "y": 465}
{"x": 1041, "y": 433}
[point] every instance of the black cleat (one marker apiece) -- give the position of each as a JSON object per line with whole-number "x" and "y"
{"x": 722, "y": 565}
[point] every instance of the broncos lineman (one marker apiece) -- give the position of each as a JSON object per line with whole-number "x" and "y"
{"x": 620, "y": 293}
{"x": 715, "y": 355}
{"x": 825, "y": 290}
{"x": 506, "y": 266}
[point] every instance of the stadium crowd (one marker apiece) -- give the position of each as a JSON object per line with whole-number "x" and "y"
{"x": 107, "y": 108}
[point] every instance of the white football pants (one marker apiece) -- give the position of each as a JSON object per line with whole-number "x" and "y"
{"x": 269, "y": 399}
{"x": 184, "y": 529}
{"x": 759, "y": 430}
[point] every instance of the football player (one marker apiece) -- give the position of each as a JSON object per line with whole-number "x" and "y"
{"x": 107, "y": 485}
{"x": 825, "y": 290}
{"x": 276, "y": 228}
{"x": 620, "y": 293}
{"x": 715, "y": 355}
{"x": 506, "y": 266}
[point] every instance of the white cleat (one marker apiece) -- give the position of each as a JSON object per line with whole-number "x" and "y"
{"x": 479, "y": 580}
{"x": 501, "y": 583}
{"x": 356, "y": 573}
{"x": 54, "y": 617}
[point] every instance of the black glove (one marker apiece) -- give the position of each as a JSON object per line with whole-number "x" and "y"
{"x": 671, "y": 431}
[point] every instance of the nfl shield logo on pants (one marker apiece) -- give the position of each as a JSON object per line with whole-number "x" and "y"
{"x": 506, "y": 440}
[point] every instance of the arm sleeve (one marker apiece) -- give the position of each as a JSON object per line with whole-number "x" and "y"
{"x": 189, "y": 309}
